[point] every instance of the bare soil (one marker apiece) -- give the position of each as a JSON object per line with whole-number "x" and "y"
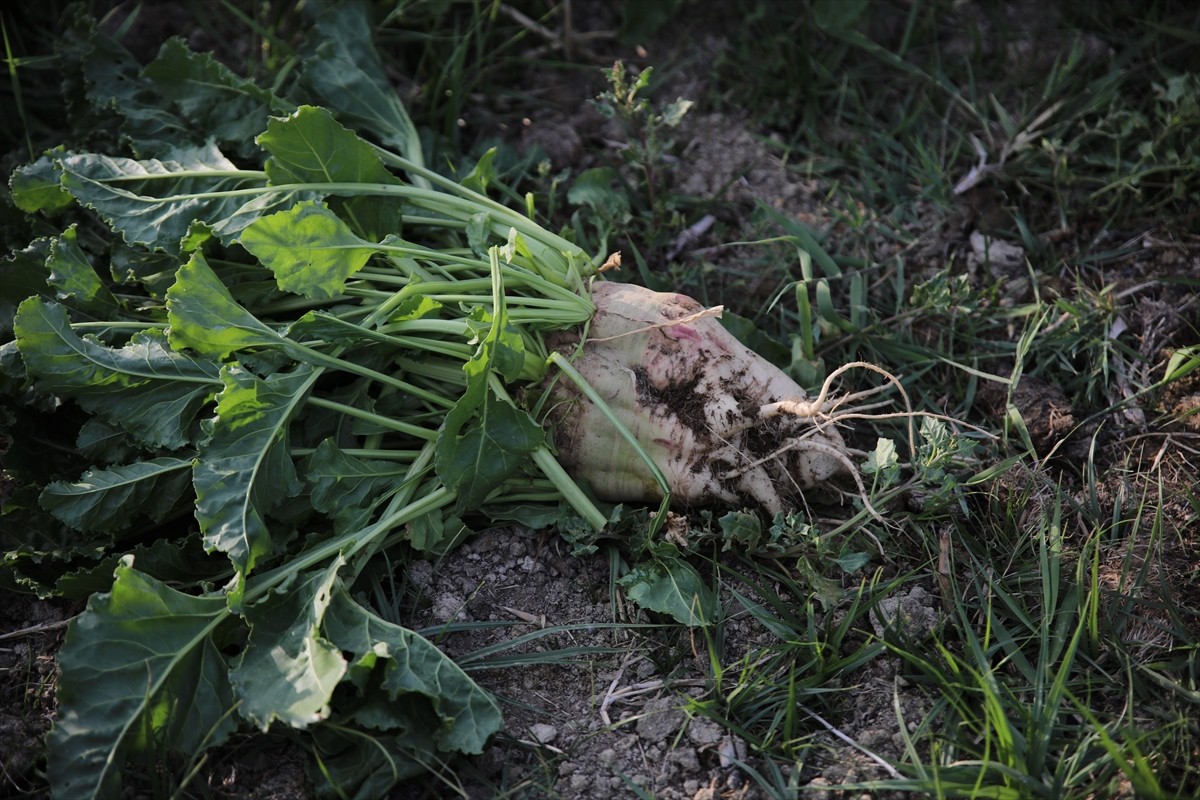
{"x": 30, "y": 635}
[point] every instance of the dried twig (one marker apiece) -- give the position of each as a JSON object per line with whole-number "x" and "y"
{"x": 891, "y": 771}
{"x": 32, "y": 629}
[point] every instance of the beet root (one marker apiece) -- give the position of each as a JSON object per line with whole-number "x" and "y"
{"x": 701, "y": 404}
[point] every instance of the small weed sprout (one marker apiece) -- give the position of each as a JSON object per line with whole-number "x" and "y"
{"x": 647, "y": 146}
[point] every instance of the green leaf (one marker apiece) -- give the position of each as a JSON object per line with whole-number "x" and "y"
{"x": 742, "y": 530}
{"x": 673, "y": 113}
{"x": 364, "y": 765}
{"x": 347, "y": 488}
{"x": 288, "y": 671}
{"x": 672, "y": 586}
{"x": 594, "y": 189}
{"x": 494, "y": 446}
{"x": 827, "y": 591}
{"x": 152, "y": 272}
{"x": 154, "y": 202}
{"x": 22, "y": 275}
{"x": 852, "y": 562}
{"x": 38, "y": 187}
{"x": 35, "y": 548}
{"x": 485, "y": 439}
{"x": 884, "y": 462}
{"x": 502, "y": 350}
{"x": 74, "y": 278}
{"x": 245, "y": 470}
{"x": 211, "y": 97}
{"x": 343, "y": 70}
{"x": 581, "y": 534}
{"x": 111, "y": 499}
{"x": 330, "y": 329}
{"x": 141, "y": 676}
{"x": 805, "y": 239}
{"x": 204, "y": 316}
{"x": 177, "y": 562}
{"x": 111, "y": 82}
{"x": 838, "y": 17}
{"x": 479, "y": 232}
{"x": 534, "y": 516}
{"x": 483, "y": 174}
{"x": 417, "y": 306}
{"x": 308, "y": 248}
{"x": 466, "y": 716}
{"x": 1182, "y": 362}
{"x": 144, "y": 387}
{"x": 436, "y": 533}
{"x": 98, "y": 441}
{"x": 310, "y": 146}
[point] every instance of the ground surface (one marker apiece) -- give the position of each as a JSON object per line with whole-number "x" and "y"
{"x": 625, "y": 724}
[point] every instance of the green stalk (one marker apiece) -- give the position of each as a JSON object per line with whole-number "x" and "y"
{"x": 476, "y": 200}
{"x": 560, "y": 361}
{"x": 474, "y": 287}
{"x": 314, "y": 356}
{"x": 555, "y": 259}
{"x": 514, "y": 299}
{"x": 402, "y": 497}
{"x": 291, "y": 304}
{"x": 241, "y": 174}
{"x": 18, "y": 98}
{"x": 378, "y": 419}
{"x": 437, "y": 371}
{"x": 554, "y": 471}
{"x": 453, "y": 350}
{"x": 442, "y": 257}
{"x": 116, "y": 325}
{"x": 348, "y": 544}
{"x": 548, "y": 496}
{"x": 400, "y": 510}
{"x": 378, "y": 453}
{"x": 569, "y": 370}
{"x": 452, "y": 327}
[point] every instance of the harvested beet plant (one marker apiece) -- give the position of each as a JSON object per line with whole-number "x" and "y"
{"x": 263, "y": 312}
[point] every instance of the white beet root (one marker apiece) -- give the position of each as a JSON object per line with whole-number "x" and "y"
{"x": 722, "y": 424}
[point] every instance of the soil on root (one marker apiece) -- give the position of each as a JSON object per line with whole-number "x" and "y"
{"x": 676, "y": 400}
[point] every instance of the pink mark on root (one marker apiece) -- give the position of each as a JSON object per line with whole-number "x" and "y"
{"x": 682, "y": 332}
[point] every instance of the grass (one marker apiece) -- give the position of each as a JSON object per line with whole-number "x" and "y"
{"x": 1066, "y": 658}
{"x": 762, "y": 695}
{"x": 1061, "y": 668}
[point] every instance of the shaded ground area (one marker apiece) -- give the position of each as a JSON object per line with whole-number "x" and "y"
{"x": 30, "y": 634}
